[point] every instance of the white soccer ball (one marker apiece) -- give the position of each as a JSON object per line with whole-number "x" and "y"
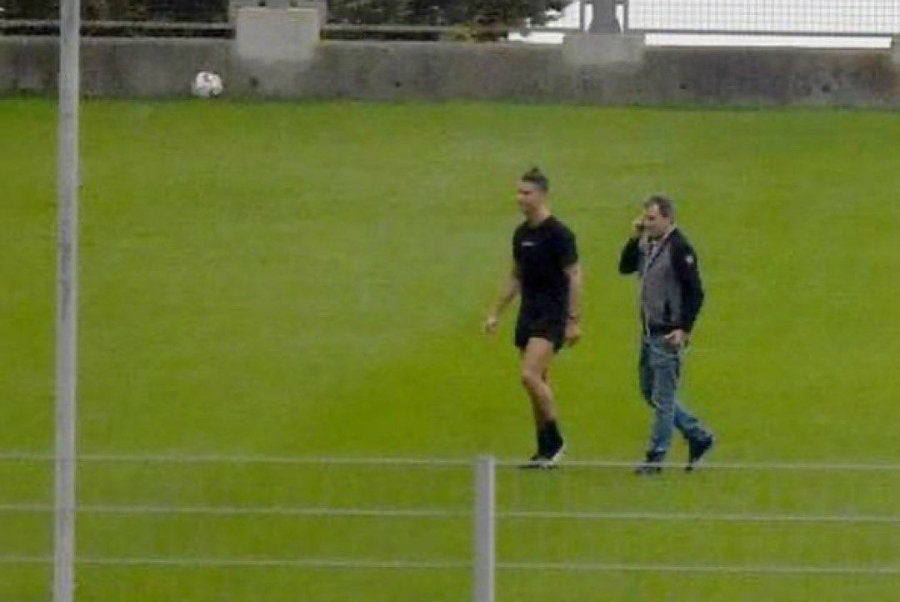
{"x": 207, "y": 84}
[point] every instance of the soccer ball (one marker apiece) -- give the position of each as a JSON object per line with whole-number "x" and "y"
{"x": 207, "y": 84}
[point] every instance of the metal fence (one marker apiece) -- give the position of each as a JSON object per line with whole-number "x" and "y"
{"x": 839, "y": 18}
{"x": 764, "y": 17}
{"x": 473, "y": 522}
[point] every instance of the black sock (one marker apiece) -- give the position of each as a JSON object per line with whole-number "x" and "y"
{"x": 544, "y": 441}
{"x": 553, "y": 434}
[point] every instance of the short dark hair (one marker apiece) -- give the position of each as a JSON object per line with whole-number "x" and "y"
{"x": 665, "y": 204}
{"x": 536, "y": 176}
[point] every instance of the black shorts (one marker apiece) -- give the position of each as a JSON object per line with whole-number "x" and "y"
{"x": 544, "y": 325}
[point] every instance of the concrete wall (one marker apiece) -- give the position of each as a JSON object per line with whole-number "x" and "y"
{"x": 437, "y": 71}
{"x": 120, "y": 67}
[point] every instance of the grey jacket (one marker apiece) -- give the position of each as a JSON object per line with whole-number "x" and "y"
{"x": 671, "y": 289}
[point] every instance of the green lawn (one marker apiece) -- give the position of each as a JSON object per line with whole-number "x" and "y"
{"x": 310, "y": 279}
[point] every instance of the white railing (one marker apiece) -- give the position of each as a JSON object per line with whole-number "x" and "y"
{"x": 500, "y": 498}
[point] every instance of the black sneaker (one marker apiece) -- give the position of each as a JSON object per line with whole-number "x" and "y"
{"x": 555, "y": 454}
{"x": 651, "y": 466}
{"x": 535, "y": 461}
{"x": 697, "y": 448}
{"x": 549, "y": 459}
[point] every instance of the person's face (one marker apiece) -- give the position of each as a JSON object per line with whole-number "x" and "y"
{"x": 529, "y": 196}
{"x": 655, "y": 224}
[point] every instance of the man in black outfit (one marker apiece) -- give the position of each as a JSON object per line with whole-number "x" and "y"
{"x": 671, "y": 297}
{"x": 547, "y": 275}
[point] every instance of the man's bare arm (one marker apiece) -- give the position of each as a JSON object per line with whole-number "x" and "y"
{"x": 573, "y": 328}
{"x": 511, "y": 290}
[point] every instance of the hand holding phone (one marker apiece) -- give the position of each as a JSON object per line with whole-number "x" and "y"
{"x": 638, "y": 226}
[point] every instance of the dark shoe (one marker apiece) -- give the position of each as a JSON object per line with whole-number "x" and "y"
{"x": 548, "y": 459}
{"x": 535, "y": 461}
{"x": 555, "y": 454}
{"x": 651, "y": 466}
{"x": 697, "y": 448}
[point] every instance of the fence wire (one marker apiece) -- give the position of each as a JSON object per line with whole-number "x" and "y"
{"x": 158, "y": 511}
{"x": 765, "y": 17}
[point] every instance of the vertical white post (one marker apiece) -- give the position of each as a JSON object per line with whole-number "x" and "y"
{"x": 485, "y": 548}
{"x": 67, "y": 302}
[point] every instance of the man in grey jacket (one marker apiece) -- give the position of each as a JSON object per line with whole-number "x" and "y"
{"x": 671, "y": 297}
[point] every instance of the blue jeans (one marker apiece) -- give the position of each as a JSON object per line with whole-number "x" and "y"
{"x": 660, "y": 369}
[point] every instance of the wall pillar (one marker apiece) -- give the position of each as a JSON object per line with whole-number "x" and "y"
{"x": 272, "y": 35}
{"x": 604, "y": 20}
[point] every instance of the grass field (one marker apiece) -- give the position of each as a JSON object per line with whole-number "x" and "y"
{"x": 310, "y": 279}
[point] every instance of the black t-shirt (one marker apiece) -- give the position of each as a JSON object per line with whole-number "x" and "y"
{"x": 542, "y": 254}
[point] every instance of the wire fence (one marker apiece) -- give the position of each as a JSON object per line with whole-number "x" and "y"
{"x": 765, "y": 17}
{"x": 819, "y": 521}
{"x": 857, "y": 18}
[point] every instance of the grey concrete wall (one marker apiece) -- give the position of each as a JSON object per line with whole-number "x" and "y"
{"x": 438, "y": 71}
{"x": 120, "y": 67}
